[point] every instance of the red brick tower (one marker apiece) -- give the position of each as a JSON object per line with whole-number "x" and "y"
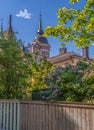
{"x": 40, "y": 43}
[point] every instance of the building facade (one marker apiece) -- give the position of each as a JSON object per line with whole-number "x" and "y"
{"x": 41, "y": 48}
{"x": 40, "y": 44}
{"x": 65, "y": 58}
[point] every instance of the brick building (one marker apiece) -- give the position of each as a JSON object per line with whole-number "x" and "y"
{"x": 41, "y": 46}
{"x": 64, "y": 58}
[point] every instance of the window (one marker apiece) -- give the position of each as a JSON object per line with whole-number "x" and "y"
{"x": 47, "y": 54}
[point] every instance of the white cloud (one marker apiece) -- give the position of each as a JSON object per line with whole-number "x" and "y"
{"x": 24, "y": 14}
{"x": 93, "y": 44}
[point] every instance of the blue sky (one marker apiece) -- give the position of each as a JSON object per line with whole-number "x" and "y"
{"x": 27, "y": 25}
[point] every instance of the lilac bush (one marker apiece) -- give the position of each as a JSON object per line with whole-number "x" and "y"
{"x": 67, "y": 84}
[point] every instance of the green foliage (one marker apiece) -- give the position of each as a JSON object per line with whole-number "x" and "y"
{"x": 14, "y": 70}
{"x": 73, "y": 83}
{"x": 74, "y": 25}
{"x": 67, "y": 84}
{"x": 89, "y": 74}
{"x": 73, "y": 1}
{"x": 39, "y": 71}
{"x": 19, "y": 72}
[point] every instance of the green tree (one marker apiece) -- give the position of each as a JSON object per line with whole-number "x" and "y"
{"x": 89, "y": 74}
{"x": 74, "y": 25}
{"x": 15, "y": 69}
{"x": 20, "y": 74}
{"x": 39, "y": 72}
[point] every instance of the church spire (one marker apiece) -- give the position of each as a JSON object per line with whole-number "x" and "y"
{"x": 1, "y": 29}
{"x": 40, "y": 30}
{"x": 2, "y": 25}
{"x": 40, "y": 22}
{"x": 10, "y": 24}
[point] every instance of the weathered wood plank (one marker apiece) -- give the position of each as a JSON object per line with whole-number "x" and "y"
{"x": 63, "y": 118}
{"x": 10, "y": 116}
{"x": 0, "y": 115}
{"x": 4, "y": 114}
{"x": 7, "y": 119}
{"x": 92, "y": 118}
{"x": 14, "y": 117}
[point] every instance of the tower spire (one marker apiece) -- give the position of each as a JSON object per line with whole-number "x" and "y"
{"x": 2, "y": 25}
{"x": 40, "y": 22}
{"x": 40, "y": 30}
{"x": 10, "y": 24}
{"x": 1, "y": 29}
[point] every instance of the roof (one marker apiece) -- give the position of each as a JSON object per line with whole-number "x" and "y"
{"x": 65, "y": 56}
{"x": 40, "y": 39}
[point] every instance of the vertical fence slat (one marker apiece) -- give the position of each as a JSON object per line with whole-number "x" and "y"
{"x": 18, "y": 117}
{"x": 0, "y": 115}
{"x": 7, "y": 119}
{"x": 4, "y": 114}
{"x": 47, "y": 117}
{"x": 11, "y": 116}
{"x": 92, "y": 120}
{"x": 29, "y": 119}
{"x": 14, "y": 117}
{"x": 26, "y": 116}
{"x": 53, "y": 118}
{"x": 87, "y": 119}
{"x": 32, "y": 115}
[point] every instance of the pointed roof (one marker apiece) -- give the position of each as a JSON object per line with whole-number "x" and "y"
{"x": 1, "y": 29}
{"x": 39, "y": 37}
{"x": 2, "y": 24}
{"x": 40, "y": 30}
{"x": 9, "y": 29}
{"x": 40, "y": 22}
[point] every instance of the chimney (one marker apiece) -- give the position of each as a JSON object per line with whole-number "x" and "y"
{"x": 85, "y": 52}
{"x": 62, "y": 51}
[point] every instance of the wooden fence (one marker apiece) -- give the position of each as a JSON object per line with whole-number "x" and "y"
{"x": 41, "y": 115}
{"x": 9, "y": 115}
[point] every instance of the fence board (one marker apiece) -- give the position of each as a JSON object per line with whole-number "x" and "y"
{"x": 91, "y": 119}
{"x": 0, "y": 115}
{"x": 3, "y": 115}
{"x": 7, "y": 119}
{"x": 10, "y": 119}
{"x": 14, "y": 115}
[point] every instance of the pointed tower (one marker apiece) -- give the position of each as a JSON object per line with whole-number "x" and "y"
{"x": 40, "y": 30}
{"x": 1, "y": 29}
{"x": 2, "y": 24}
{"x": 9, "y": 29}
{"x": 40, "y": 42}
